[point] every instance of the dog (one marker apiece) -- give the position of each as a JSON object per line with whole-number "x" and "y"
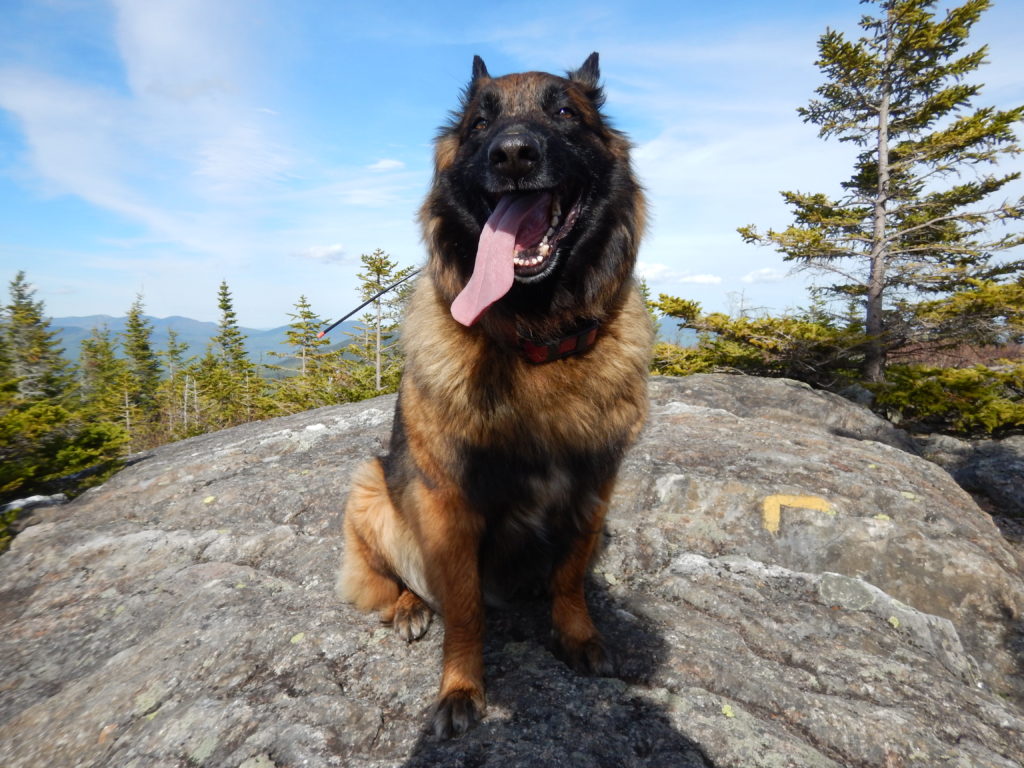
{"x": 527, "y": 348}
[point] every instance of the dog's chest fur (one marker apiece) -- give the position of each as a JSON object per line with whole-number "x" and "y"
{"x": 531, "y": 447}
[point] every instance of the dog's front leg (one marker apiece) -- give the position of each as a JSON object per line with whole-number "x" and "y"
{"x": 451, "y": 539}
{"x": 578, "y": 641}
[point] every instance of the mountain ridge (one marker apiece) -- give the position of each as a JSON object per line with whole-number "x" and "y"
{"x": 195, "y": 334}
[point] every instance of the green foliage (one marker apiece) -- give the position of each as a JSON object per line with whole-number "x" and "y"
{"x": 973, "y": 401}
{"x": 44, "y": 431}
{"x": 229, "y": 390}
{"x": 6, "y": 520}
{"x": 978, "y": 312}
{"x": 42, "y": 443}
{"x": 32, "y": 354}
{"x": 177, "y": 394}
{"x": 64, "y": 429}
{"x": 318, "y": 380}
{"x": 31, "y": 435}
{"x": 103, "y": 377}
{"x": 809, "y": 346}
{"x": 143, "y": 363}
{"x": 825, "y": 351}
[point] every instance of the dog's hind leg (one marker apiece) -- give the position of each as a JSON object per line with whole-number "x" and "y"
{"x": 380, "y": 554}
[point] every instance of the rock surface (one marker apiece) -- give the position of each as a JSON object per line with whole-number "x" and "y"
{"x": 991, "y": 470}
{"x": 784, "y": 583}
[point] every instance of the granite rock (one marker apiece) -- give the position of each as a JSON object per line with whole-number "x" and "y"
{"x": 784, "y": 582}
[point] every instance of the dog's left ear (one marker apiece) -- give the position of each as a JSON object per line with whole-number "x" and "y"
{"x": 479, "y": 70}
{"x": 588, "y": 74}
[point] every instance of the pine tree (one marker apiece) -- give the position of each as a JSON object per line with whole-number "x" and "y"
{"x": 374, "y": 339}
{"x": 917, "y": 214}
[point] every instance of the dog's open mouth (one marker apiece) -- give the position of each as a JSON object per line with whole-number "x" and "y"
{"x": 519, "y": 240}
{"x": 539, "y": 232}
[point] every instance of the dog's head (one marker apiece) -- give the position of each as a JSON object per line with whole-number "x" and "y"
{"x": 534, "y": 215}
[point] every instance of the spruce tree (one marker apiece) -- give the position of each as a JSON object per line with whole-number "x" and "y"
{"x": 302, "y": 336}
{"x": 104, "y": 377}
{"x": 916, "y": 217}
{"x": 374, "y": 344}
{"x": 143, "y": 363}
{"x": 227, "y": 380}
{"x": 45, "y": 435}
{"x": 34, "y": 356}
{"x": 317, "y": 380}
{"x": 177, "y": 392}
{"x": 229, "y": 343}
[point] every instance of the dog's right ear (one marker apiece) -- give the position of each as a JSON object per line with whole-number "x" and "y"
{"x": 479, "y": 70}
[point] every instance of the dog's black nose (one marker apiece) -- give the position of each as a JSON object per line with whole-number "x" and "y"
{"x": 514, "y": 154}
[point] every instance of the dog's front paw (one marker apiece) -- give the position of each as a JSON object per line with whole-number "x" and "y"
{"x": 587, "y": 657}
{"x": 456, "y": 713}
{"x": 412, "y": 617}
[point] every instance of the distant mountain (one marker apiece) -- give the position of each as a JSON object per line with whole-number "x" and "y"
{"x": 193, "y": 333}
{"x": 197, "y": 334}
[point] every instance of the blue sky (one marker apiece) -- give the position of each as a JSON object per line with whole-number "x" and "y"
{"x": 161, "y": 146}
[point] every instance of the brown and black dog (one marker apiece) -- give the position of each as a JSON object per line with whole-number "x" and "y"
{"x": 527, "y": 347}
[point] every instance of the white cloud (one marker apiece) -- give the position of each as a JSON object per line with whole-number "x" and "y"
{"x": 386, "y": 164}
{"x": 663, "y": 273}
{"x": 699, "y": 279}
{"x": 325, "y": 254}
{"x": 764, "y": 275}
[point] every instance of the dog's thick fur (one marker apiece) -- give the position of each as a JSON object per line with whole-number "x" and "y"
{"x": 499, "y": 471}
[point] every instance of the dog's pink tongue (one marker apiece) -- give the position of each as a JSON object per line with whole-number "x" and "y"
{"x": 494, "y": 270}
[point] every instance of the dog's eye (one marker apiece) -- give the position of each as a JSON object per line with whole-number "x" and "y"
{"x": 479, "y": 124}
{"x": 566, "y": 113}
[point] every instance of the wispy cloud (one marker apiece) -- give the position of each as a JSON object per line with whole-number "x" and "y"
{"x": 386, "y": 164}
{"x": 663, "y": 273}
{"x": 764, "y": 275}
{"x": 325, "y": 254}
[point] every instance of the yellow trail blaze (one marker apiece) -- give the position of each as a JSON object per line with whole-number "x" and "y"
{"x": 773, "y": 508}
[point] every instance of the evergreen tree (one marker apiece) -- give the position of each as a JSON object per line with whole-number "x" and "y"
{"x": 229, "y": 343}
{"x": 143, "y": 363}
{"x": 104, "y": 377}
{"x": 917, "y": 214}
{"x": 302, "y": 335}
{"x": 373, "y": 344}
{"x": 34, "y": 356}
{"x": 227, "y": 382}
{"x": 177, "y": 393}
{"x": 317, "y": 382}
{"x": 44, "y": 437}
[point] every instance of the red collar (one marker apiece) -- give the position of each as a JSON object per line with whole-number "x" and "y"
{"x": 574, "y": 344}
